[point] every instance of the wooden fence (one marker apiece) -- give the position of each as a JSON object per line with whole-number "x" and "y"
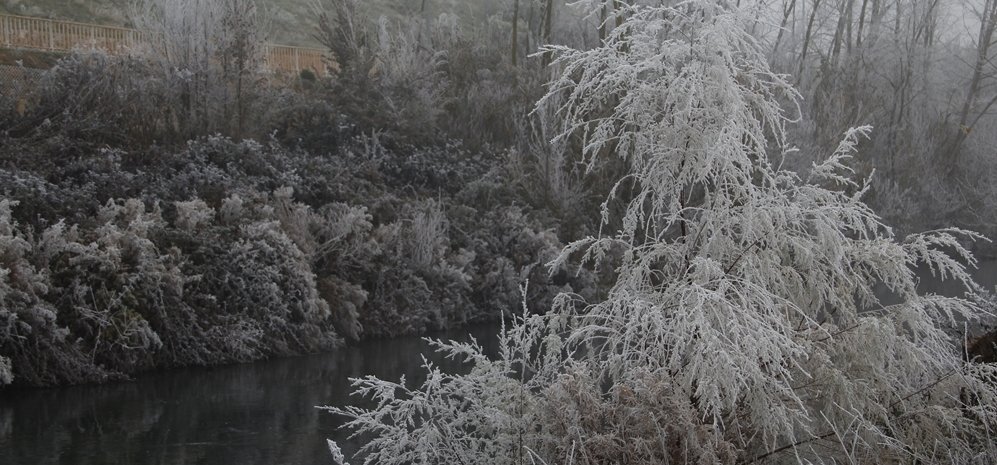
{"x": 295, "y": 59}
{"x": 63, "y": 36}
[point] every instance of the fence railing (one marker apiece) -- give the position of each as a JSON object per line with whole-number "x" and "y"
{"x": 63, "y": 36}
{"x": 295, "y": 59}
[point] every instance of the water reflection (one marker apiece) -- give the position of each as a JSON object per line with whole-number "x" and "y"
{"x": 260, "y": 413}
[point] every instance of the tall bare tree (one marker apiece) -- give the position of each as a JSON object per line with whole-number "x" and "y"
{"x": 515, "y": 32}
{"x": 547, "y": 30}
{"x": 220, "y": 44}
{"x": 975, "y": 105}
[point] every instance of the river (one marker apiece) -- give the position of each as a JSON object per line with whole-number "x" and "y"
{"x": 259, "y": 413}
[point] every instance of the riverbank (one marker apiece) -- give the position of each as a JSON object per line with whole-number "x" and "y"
{"x": 143, "y": 227}
{"x": 129, "y": 261}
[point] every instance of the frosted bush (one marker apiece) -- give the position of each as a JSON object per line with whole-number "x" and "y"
{"x": 6, "y": 373}
{"x": 126, "y": 291}
{"x": 94, "y": 98}
{"x": 548, "y": 175}
{"x": 100, "y": 281}
{"x": 295, "y": 220}
{"x": 231, "y": 210}
{"x": 264, "y": 282}
{"x": 113, "y": 281}
{"x": 431, "y": 289}
{"x": 346, "y": 302}
{"x": 743, "y": 326}
{"x": 409, "y": 67}
{"x": 215, "y": 168}
{"x": 343, "y": 230}
{"x": 194, "y": 213}
{"x": 511, "y": 247}
{"x": 416, "y": 80}
{"x": 212, "y": 54}
{"x": 427, "y": 236}
{"x": 255, "y": 291}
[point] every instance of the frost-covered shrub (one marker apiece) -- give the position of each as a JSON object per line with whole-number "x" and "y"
{"x": 335, "y": 240}
{"x": 212, "y": 55}
{"x": 410, "y": 71}
{"x": 38, "y": 348}
{"x": 743, "y": 326}
{"x": 431, "y": 288}
{"x": 267, "y": 281}
{"x": 54, "y": 185}
{"x": 109, "y": 282}
{"x": 215, "y": 167}
{"x": 547, "y": 171}
{"x": 41, "y": 202}
{"x": 510, "y": 244}
{"x": 196, "y": 213}
{"x": 345, "y": 203}
{"x": 6, "y": 372}
{"x": 77, "y": 308}
{"x": 447, "y": 166}
{"x": 346, "y": 302}
{"x": 425, "y": 237}
{"x": 91, "y": 99}
{"x": 458, "y": 264}
{"x": 256, "y": 289}
{"x": 422, "y": 79}
{"x": 128, "y": 290}
{"x": 385, "y": 76}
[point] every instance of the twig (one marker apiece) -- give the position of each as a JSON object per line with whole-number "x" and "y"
{"x": 745, "y": 251}
{"x": 790, "y": 446}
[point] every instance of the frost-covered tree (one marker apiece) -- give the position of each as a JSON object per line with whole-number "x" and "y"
{"x": 213, "y": 51}
{"x": 744, "y": 325}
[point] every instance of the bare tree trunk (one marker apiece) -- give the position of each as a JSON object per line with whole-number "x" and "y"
{"x": 787, "y": 10}
{"x": 761, "y": 5}
{"x": 985, "y": 38}
{"x": 875, "y": 22}
{"x": 896, "y": 19}
{"x": 927, "y": 27}
{"x": 899, "y": 111}
{"x": 531, "y": 21}
{"x": 849, "y": 19}
{"x": 546, "y": 31}
{"x": 839, "y": 32}
{"x": 515, "y": 31}
{"x": 807, "y": 36}
{"x": 603, "y": 17}
{"x": 858, "y": 36}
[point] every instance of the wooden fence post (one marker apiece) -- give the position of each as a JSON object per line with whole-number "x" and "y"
{"x": 4, "y": 30}
{"x": 51, "y": 34}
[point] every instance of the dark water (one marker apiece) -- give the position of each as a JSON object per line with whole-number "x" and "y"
{"x": 260, "y": 413}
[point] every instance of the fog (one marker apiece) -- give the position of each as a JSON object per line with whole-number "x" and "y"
{"x": 684, "y": 216}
